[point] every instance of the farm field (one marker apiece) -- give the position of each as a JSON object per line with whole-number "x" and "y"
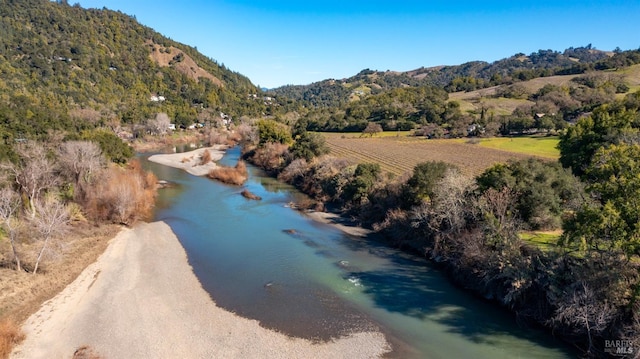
{"x": 400, "y": 154}
{"x": 535, "y": 146}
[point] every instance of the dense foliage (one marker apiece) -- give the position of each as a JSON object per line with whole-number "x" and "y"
{"x": 65, "y": 68}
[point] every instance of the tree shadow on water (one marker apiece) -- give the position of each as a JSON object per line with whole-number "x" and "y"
{"x": 410, "y": 286}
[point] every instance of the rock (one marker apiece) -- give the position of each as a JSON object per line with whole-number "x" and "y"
{"x": 246, "y": 194}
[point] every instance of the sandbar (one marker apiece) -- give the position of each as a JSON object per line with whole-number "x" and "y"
{"x": 141, "y": 299}
{"x": 191, "y": 161}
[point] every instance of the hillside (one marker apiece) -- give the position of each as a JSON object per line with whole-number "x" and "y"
{"x": 465, "y": 77}
{"x": 67, "y": 68}
{"x": 543, "y": 92}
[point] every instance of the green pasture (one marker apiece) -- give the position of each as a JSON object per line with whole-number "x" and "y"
{"x": 535, "y": 146}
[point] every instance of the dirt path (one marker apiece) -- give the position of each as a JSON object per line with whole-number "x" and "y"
{"x": 142, "y": 300}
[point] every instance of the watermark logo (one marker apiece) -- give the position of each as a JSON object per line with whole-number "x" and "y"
{"x": 618, "y": 347}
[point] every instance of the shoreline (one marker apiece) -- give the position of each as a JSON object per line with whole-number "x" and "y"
{"x": 142, "y": 299}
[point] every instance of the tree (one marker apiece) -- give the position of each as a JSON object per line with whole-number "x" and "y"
{"x": 80, "y": 160}
{"x": 113, "y": 148}
{"x": 422, "y": 183}
{"x": 372, "y": 129}
{"x": 613, "y": 222}
{"x": 544, "y": 191}
{"x": 158, "y": 125}
{"x": 273, "y": 131}
{"x": 365, "y": 177}
{"x": 608, "y": 124}
{"x": 51, "y": 221}
{"x": 34, "y": 173}
{"x": 9, "y": 205}
{"x": 309, "y": 145}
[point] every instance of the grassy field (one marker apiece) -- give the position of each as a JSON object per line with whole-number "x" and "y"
{"x": 398, "y": 153}
{"x": 534, "y": 146}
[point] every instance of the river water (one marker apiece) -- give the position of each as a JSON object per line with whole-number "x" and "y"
{"x": 265, "y": 261}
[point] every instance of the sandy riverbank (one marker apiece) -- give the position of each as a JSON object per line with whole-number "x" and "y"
{"x": 339, "y": 222}
{"x": 142, "y": 300}
{"x": 191, "y": 161}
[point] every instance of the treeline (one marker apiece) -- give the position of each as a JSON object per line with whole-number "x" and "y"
{"x": 417, "y": 100}
{"x": 429, "y": 111}
{"x": 585, "y": 289}
{"x": 465, "y": 77}
{"x": 48, "y": 186}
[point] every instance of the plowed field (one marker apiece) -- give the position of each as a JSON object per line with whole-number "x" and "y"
{"x": 398, "y": 155}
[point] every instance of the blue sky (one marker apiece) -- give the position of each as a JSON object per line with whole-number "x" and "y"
{"x": 282, "y": 42}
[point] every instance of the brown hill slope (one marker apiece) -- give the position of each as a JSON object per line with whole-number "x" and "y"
{"x": 175, "y": 58}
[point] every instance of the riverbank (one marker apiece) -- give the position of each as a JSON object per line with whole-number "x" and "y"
{"x": 142, "y": 299}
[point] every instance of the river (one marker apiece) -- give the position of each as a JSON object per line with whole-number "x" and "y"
{"x": 265, "y": 261}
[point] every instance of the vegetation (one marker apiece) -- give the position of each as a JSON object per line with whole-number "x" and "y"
{"x": 232, "y": 175}
{"x": 544, "y": 190}
{"x": 96, "y": 74}
{"x": 74, "y": 83}
{"x": 10, "y": 335}
{"x": 545, "y": 147}
{"x": 474, "y": 227}
{"x": 399, "y": 155}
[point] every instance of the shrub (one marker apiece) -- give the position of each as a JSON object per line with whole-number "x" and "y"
{"x": 271, "y": 157}
{"x": 205, "y": 158}
{"x": 231, "y": 175}
{"x": 10, "y": 335}
{"x": 272, "y": 131}
{"x": 123, "y": 196}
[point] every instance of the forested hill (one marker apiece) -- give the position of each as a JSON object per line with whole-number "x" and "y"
{"x": 64, "y": 67}
{"x": 465, "y": 77}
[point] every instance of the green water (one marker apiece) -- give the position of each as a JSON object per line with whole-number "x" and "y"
{"x": 267, "y": 262}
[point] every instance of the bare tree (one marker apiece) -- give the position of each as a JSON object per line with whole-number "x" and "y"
{"x": 497, "y": 210}
{"x": 80, "y": 159}
{"x": 9, "y": 205}
{"x": 450, "y": 201}
{"x": 159, "y": 125}
{"x": 34, "y": 174}
{"x": 372, "y": 128}
{"x": 51, "y": 220}
{"x": 581, "y": 309}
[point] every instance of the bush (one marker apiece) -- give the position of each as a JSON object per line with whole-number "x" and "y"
{"x": 231, "y": 175}
{"x": 206, "y": 157}
{"x": 271, "y": 157}
{"x": 10, "y": 335}
{"x": 123, "y": 196}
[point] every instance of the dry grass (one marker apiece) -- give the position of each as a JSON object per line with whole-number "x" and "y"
{"x": 22, "y": 294}
{"x": 231, "y": 175}
{"x": 10, "y": 336}
{"x": 123, "y": 195}
{"x": 205, "y": 158}
{"x": 400, "y": 155}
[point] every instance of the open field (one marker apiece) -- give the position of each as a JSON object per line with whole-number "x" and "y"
{"x": 400, "y": 154}
{"x": 535, "y": 146}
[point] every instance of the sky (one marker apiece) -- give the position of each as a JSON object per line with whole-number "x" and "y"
{"x": 297, "y": 42}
